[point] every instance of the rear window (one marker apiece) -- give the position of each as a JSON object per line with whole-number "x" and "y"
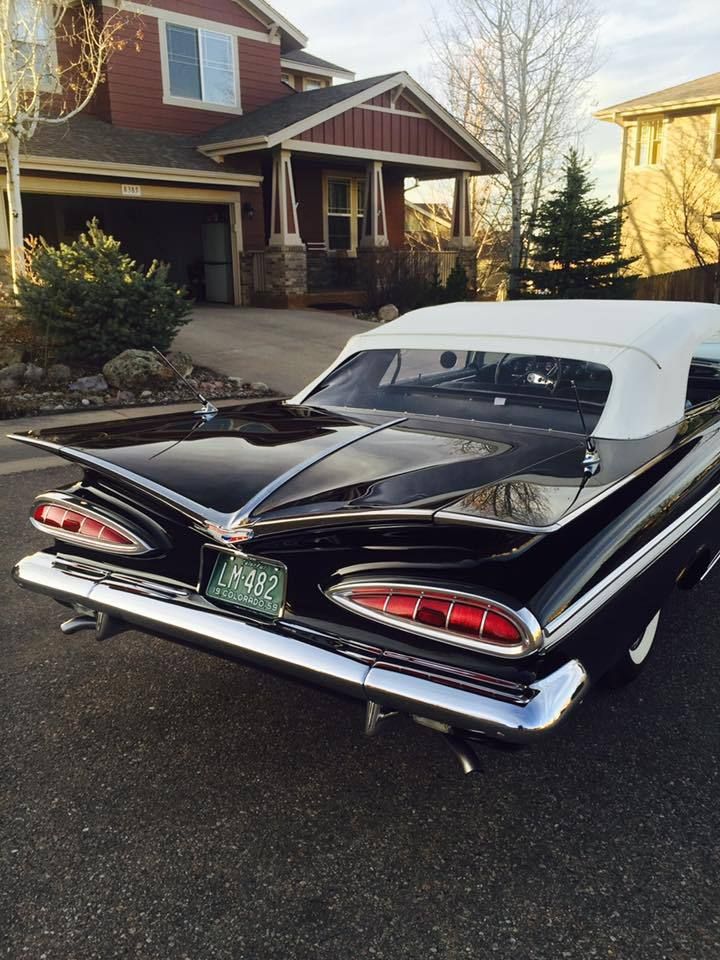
{"x": 704, "y": 377}
{"x": 507, "y": 388}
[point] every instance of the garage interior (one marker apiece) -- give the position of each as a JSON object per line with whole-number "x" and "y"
{"x": 194, "y": 238}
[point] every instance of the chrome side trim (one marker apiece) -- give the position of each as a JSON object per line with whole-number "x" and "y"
{"x": 342, "y": 517}
{"x": 452, "y": 516}
{"x": 579, "y": 611}
{"x": 139, "y": 546}
{"x": 461, "y": 698}
{"x": 523, "y": 619}
{"x": 241, "y": 516}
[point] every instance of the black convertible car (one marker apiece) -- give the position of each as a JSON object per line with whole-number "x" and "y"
{"x": 475, "y": 513}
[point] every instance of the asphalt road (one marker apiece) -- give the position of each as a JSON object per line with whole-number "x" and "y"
{"x": 158, "y": 803}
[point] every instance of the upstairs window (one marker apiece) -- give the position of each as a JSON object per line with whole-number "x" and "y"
{"x": 34, "y": 45}
{"x": 648, "y": 150}
{"x": 311, "y": 84}
{"x": 201, "y": 66}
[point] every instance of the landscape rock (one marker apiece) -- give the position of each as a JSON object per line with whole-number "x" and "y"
{"x": 125, "y": 396}
{"x": 260, "y": 387}
{"x": 10, "y": 354}
{"x": 58, "y": 373}
{"x": 182, "y": 361}
{"x": 8, "y": 384}
{"x": 85, "y": 402}
{"x": 387, "y": 313}
{"x": 146, "y": 394}
{"x": 14, "y": 371}
{"x": 132, "y": 369}
{"x": 94, "y": 384}
{"x": 33, "y": 373}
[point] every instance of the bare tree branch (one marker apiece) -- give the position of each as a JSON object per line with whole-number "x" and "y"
{"x": 520, "y": 69}
{"x": 53, "y": 57}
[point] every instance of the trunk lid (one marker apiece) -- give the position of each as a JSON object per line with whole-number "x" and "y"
{"x": 269, "y": 460}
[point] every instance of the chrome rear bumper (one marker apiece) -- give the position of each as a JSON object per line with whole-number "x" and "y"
{"x": 462, "y": 699}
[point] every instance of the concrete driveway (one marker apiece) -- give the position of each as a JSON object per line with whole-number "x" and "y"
{"x": 284, "y": 348}
{"x": 159, "y": 804}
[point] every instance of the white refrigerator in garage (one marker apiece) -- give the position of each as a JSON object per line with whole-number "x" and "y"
{"x": 217, "y": 262}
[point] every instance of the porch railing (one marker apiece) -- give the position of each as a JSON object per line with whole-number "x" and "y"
{"x": 332, "y": 271}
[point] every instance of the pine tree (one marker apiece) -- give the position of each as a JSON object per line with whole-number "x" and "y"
{"x": 575, "y": 246}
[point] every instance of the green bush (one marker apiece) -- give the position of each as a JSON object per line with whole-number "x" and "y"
{"x": 88, "y": 301}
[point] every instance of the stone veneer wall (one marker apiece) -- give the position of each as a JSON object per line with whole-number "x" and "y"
{"x": 285, "y": 275}
{"x": 467, "y": 257}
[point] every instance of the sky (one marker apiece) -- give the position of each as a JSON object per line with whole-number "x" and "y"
{"x": 646, "y": 45}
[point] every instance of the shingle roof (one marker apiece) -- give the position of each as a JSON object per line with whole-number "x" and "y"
{"x": 704, "y": 88}
{"x": 310, "y": 60}
{"x": 87, "y": 138}
{"x": 283, "y": 113}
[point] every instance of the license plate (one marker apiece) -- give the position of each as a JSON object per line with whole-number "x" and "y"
{"x": 250, "y": 583}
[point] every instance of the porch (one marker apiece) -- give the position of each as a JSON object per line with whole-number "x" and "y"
{"x": 335, "y": 230}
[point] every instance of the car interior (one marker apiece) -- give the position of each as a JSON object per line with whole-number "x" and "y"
{"x": 509, "y": 388}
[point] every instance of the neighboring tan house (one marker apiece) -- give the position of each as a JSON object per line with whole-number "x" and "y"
{"x": 428, "y": 226}
{"x": 670, "y": 175}
{"x": 223, "y": 147}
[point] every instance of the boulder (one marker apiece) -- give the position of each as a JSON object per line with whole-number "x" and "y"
{"x": 58, "y": 373}
{"x": 134, "y": 369}
{"x": 125, "y": 396}
{"x": 182, "y": 361}
{"x": 14, "y": 371}
{"x": 260, "y": 387}
{"x": 8, "y": 385}
{"x": 387, "y": 313}
{"x": 33, "y": 373}
{"x": 94, "y": 384}
{"x": 10, "y": 354}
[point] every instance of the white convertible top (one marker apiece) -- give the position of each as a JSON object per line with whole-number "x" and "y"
{"x": 647, "y": 344}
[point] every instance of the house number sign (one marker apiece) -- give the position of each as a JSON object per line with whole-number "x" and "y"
{"x": 130, "y": 189}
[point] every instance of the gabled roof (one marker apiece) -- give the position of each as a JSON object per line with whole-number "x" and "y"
{"x": 290, "y": 36}
{"x": 286, "y": 112}
{"x": 284, "y": 119}
{"x": 704, "y": 90}
{"x": 311, "y": 63}
{"x": 646, "y": 344}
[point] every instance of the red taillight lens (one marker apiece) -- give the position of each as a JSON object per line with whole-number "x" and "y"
{"x": 81, "y": 527}
{"x": 444, "y": 613}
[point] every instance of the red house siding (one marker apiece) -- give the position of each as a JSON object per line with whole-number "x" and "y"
{"x": 134, "y": 83}
{"x": 374, "y": 130}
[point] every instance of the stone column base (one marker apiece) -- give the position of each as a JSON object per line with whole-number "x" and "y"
{"x": 274, "y": 277}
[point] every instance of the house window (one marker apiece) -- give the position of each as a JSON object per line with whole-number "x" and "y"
{"x": 648, "y": 151}
{"x": 345, "y": 209}
{"x": 34, "y": 45}
{"x": 310, "y": 84}
{"x": 201, "y": 65}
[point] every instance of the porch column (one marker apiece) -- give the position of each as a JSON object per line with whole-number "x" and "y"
{"x": 462, "y": 234}
{"x": 285, "y": 231}
{"x": 375, "y": 221}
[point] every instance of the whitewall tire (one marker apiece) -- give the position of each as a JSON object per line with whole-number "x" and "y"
{"x": 635, "y": 657}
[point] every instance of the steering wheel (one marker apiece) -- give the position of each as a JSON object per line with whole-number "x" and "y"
{"x": 537, "y": 378}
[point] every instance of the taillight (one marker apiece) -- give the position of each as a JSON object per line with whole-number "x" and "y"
{"x": 458, "y": 618}
{"x": 66, "y": 520}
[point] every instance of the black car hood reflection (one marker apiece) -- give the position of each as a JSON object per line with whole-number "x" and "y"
{"x": 275, "y": 459}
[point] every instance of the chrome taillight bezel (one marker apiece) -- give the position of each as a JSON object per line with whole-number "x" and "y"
{"x": 531, "y": 634}
{"x": 138, "y": 546}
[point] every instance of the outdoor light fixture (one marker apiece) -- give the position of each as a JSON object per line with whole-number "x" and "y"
{"x": 248, "y": 210}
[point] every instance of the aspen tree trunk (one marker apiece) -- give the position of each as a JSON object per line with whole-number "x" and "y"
{"x": 14, "y": 202}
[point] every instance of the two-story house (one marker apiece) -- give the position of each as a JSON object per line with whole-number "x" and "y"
{"x": 670, "y": 175}
{"x": 224, "y": 147}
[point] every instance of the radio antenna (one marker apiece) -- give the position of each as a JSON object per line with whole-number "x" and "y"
{"x": 208, "y": 409}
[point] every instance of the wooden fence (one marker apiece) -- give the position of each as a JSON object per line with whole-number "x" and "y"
{"x": 698, "y": 284}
